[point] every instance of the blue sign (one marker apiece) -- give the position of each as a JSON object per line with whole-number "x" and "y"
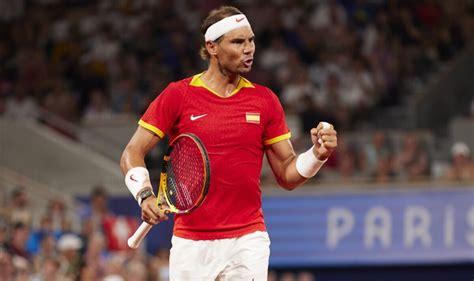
{"x": 392, "y": 227}
{"x": 404, "y": 227}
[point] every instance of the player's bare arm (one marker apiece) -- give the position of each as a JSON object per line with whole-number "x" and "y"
{"x": 284, "y": 161}
{"x": 133, "y": 156}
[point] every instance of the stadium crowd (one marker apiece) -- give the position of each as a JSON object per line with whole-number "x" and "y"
{"x": 329, "y": 60}
{"x": 98, "y": 61}
{"x": 45, "y": 246}
{"x": 338, "y": 60}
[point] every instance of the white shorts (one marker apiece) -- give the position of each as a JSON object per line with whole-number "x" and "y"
{"x": 243, "y": 258}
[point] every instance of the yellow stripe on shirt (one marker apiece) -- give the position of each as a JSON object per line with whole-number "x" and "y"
{"x": 243, "y": 83}
{"x": 152, "y": 128}
{"x": 277, "y": 139}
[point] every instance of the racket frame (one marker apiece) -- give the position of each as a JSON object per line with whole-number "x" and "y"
{"x": 162, "y": 199}
{"x": 162, "y": 189}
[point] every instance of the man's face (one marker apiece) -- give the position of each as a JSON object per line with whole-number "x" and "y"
{"x": 236, "y": 49}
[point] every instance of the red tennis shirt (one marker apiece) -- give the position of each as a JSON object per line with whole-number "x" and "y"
{"x": 235, "y": 131}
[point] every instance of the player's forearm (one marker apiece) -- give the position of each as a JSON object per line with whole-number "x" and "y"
{"x": 289, "y": 178}
{"x": 282, "y": 159}
{"x": 137, "y": 177}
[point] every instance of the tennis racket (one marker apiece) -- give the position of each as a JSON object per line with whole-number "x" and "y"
{"x": 184, "y": 181}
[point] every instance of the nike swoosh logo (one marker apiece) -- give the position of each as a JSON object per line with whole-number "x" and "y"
{"x": 132, "y": 178}
{"x": 193, "y": 118}
{"x": 239, "y": 20}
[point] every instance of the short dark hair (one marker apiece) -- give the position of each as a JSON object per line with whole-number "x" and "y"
{"x": 213, "y": 17}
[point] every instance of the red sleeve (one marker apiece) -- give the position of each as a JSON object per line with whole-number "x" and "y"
{"x": 276, "y": 128}
{"x": 163, "y": 112}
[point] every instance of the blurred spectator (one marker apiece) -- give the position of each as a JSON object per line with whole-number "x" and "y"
{"x": 113, "y": 278}
{"x": 288, "y": 276}
{"x": 19, "y": 209}
{"x": 96, "y": 256}
{"x": 97, "y": 209}
{"x": 298, "y": 91}
{"x": 116, "y": 270}
{"x": 377, "y": 158}
{"x": 17, "y": 245}
{"x": 22, "y": 268}
{"x": 98, "y": 111}
{"x": 117, "y": 229}
{"x": 6, "y": 265}
{"x": 47, "y": 250}
{"x": 21, "y": 106}
{"x": 41, "y": 232}
{"x": 275, "y": 56}
{"x": 54, "y": 222}
{"x": 49, "y": 271}
{"x": 57, "y": 212}
{"x": 462, "y": 168}
{"x": 359, "y": 87}
{"x": 69, "y": 247}
{"x": 413, "y": 161}
{"x": 61, "y": 101}
{"x": 3, "y": 234}
{"x": 272, "y": 276}
{"x": 343, "y": 165}
{"x": 347, "y": 162}
{"x": 126, "y": 97}
{"x": 328, "y": 14}
{"x": 305, "y": 276}
{"x": 97, "y": 218}
{"x": 330, "y": 102}
{"x": 160, "y": 264}
{"x": 137, "y": 271}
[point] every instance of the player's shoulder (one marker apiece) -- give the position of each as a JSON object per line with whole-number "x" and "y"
{"x": 178, "y": 87}
{"x": 183, "y": 83}
{"x": 259, "y": 89}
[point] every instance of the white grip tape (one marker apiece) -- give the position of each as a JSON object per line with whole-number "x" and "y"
{"x": 136, "y": 180}
{"x": 326, "y": 125}
{"x": 136, "y": 239}
{"x": 307, "y": 164}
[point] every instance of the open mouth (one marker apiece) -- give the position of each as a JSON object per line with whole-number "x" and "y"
{"x": 248, "y": 62}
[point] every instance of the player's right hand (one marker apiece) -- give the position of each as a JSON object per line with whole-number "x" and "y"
{"x": 151, "y": 212}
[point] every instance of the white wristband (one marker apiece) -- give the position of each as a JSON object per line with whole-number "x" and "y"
{"x": 307, "y": 164}
{"x": 137, "y": 179}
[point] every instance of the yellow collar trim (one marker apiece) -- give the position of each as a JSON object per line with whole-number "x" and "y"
{"x": 243, "y": 83}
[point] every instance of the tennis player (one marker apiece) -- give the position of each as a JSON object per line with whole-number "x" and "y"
{"x": 238, "y": 121}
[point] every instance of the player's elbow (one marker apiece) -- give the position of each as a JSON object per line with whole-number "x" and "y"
{"x": 286, "y": 184}
{"x": 126, "y": 158}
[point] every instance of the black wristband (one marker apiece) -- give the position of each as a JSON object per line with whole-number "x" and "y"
{"x": 144, "y": 194}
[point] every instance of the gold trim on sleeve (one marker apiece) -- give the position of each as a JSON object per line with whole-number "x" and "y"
{"x": 277, "y": 139}
{"x": 152, "y": 128}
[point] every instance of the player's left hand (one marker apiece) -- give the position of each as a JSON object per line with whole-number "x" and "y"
{"x": 324, "y": 138}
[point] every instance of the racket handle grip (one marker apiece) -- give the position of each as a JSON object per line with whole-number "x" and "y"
{"x": 136, "y": 239}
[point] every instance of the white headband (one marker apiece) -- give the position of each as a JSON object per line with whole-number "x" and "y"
{"x": 225, "y": 25}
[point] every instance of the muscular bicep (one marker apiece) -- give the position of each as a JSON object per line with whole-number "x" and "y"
{"x": 282, "y": 159}
{"x": 139, "y": 145}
